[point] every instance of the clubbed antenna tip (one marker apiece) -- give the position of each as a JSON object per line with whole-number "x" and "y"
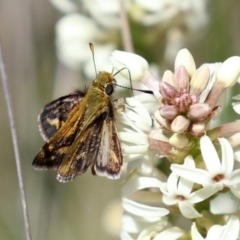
{"x": 91, "y": 47}
{"x": 92, "y": 50}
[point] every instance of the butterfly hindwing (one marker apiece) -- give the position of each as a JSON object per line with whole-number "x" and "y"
{"x": 109, "y": 159}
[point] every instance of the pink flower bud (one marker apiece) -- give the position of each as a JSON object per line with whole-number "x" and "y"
{"x": 169, "y": 112}
{"x": 199, "y": 111}
{"x": 181, "y": 79}
{"x": 167, "y": 91}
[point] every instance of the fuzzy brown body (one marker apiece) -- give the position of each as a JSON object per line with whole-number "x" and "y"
{"x": 81, "y": 133}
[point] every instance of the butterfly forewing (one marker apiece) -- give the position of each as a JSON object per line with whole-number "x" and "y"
{"x": 53, "y": 152}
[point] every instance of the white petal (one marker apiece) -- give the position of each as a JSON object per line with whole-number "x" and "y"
{"x": 202, "y": 194}
{"x": 195, "y": 234}
{"x": 164, "y": 189}
{"x": 172, "y": 183}
{"x": 133, "y": 223}
{"x": 146, "y": 166}
{"x": 188, "y": 210}
{"x": 139, "y": 183}
{"x": 231, "y": 230}
{"x": 153, "y": 228}
{"x": 227, "y": 200}
{"x": 169, "y": 200}
{"x": 235, "y": 191}
{"x": 234, "y": 178}
{"x": 138, "y": 121}
{"x": 237, "y": 156}
{"x": 172, "y": 233}
{"x": 184, "y": 186}
{"x": 137, "y": 106}
{"x": 210, "y": 156}
{"x": 195, "y": 175}
{"x": 135, "y": 149}
{"x": 146, "y": 98}
{"x": 131, "y": 157}
{"x": 215, "y": 232}
{"x": 236, "y": 107}
{"x": 189, "y": 162}
{"x": 133, "y": 137}
{"x": 143, "y": 210}
{"x": 227, "y": 156}
{"x": 126, "y": 120}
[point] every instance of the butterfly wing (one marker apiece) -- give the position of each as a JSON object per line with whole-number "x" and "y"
{"x": 98, "y": 147}
{"x": 109, "y": 159}
{"x": 54, "y": 151}
{"x": 56, "y": 113}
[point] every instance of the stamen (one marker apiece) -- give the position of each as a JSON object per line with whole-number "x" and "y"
{"x": 218, "y": 178}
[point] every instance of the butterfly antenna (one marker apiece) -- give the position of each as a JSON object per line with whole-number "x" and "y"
{"x": 139, "y": 90}
{"x": 129, "y": 74}
{"x": 92, "y": 50}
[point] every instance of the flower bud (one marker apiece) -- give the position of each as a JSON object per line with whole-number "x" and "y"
{"x": 185, "y": 58}
{"x": 198, "y": 129}
{"x": 180, "y": 124}
{"x": 178, "y": 141}
{"x": 137, "y": 65}
{"x": 163, "y": 122}
{"x": 229, "y": 71}
{"x": 167, "y": 90}
{"x": 169, "y": 112}
{"x": 199, "y": 80}
{"x": 168, "y": 77}
{"x": 199, "y": 111}
{"x": 181, "y": 79}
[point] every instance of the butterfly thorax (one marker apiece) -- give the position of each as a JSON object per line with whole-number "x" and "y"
{"x": 103, "y": 79}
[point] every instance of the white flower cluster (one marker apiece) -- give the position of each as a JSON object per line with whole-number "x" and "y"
{"x": 204, "y": 171}
{"x": 99, "y": 22}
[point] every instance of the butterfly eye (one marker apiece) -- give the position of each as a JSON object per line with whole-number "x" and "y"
{"x": 109, "y": 89}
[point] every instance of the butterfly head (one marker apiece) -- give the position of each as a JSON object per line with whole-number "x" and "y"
{"x": 106, "y": 81}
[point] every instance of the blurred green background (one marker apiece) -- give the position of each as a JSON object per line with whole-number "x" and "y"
{"x": 74, "y": 210}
